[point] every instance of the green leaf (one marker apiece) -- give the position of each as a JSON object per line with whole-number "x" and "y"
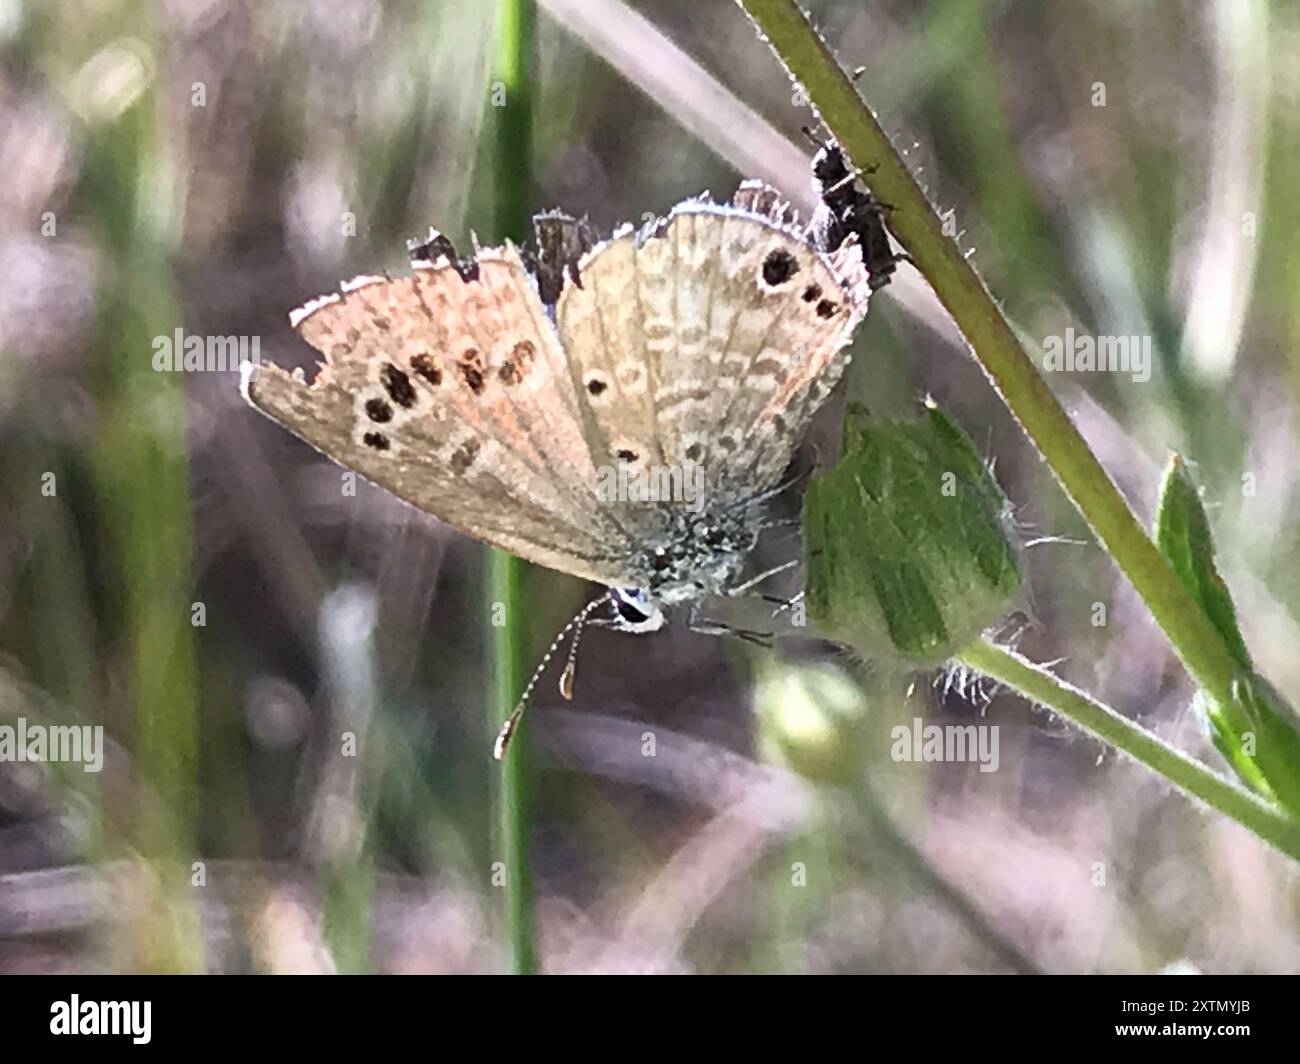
{"x": 1256, "y": 731}
{"x": 1183, "y": 535}
{"x": 1276, "y": 740}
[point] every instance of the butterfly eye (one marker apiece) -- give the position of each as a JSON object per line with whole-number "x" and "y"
{"x": 629, "y": 610}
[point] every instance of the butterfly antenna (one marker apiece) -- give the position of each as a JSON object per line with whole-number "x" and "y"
{"x": 566, "y": 678}
{"x": 755, "y": 581}
{"x": 571, "y": 665}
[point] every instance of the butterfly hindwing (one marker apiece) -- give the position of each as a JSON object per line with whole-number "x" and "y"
{"x": 709, "y": 340}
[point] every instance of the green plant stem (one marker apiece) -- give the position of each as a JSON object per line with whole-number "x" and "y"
{"x": 142, "y": 479}
{"x": 512, "y": 172}
{"x": 1270, "y": 823}
{"x": 940, "y": 259}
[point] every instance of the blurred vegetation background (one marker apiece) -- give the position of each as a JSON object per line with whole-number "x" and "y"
{"x": 211, "y": 164}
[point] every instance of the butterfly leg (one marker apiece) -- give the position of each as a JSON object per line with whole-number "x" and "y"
{"x": 791, "y": 522}
{"x": 782, "y": 605}
{"x": 755, "y": 581}
{"x": 704, "y": 626}
{"x": 772, "y": 493}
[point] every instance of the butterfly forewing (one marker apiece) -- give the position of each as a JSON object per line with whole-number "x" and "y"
{"x": 453, "y": 394}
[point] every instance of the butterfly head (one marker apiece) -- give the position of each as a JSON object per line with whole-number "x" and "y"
{"x": 634, "y": 611}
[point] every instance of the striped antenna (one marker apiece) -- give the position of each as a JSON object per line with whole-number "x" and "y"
{"x": 566, "y": 677}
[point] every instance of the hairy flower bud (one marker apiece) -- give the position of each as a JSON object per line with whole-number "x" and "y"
{"x": 909, "y": 542}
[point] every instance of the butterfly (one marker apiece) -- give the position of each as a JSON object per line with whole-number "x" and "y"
{"x": 506, "y": 392}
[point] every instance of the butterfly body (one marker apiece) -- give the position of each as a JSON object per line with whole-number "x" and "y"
{"x": 690, "y": 555}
